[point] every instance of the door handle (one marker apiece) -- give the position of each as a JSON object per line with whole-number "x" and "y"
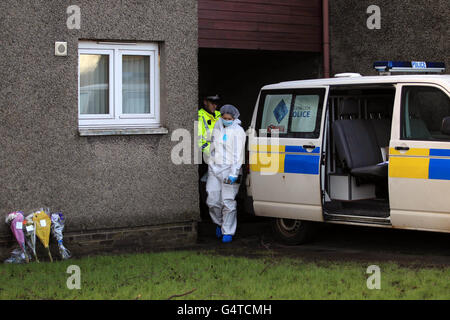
{"x": 402, "y": 148}
{"x": 309, "y": 147}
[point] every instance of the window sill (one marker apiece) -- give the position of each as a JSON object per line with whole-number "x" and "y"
{"x": 85, "y": 132}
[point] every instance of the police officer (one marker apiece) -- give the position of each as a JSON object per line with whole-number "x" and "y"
{"x": 207, "y": 117}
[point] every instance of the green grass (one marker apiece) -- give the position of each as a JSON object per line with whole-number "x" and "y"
{"x": 161, "y": 275}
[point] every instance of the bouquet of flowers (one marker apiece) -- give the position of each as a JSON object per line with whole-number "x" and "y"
{"x": 57, "y": 232}
{"x": 15, "y": 220}
{"x": 42, "y": 225}
{"x": 30, "y": 234}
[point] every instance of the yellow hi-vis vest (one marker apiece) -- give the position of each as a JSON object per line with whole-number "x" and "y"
{"x": 206, "y": 122}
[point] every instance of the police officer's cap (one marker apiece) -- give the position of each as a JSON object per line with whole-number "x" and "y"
{"x": 214, "y": 98}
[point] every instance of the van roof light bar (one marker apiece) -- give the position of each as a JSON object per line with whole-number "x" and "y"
{"x": 387, "y": 67}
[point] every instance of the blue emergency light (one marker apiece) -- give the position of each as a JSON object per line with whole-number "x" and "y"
{"x": 410, "y": 66}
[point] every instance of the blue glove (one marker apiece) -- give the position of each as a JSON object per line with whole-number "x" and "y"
{"x": 232, "y": 179}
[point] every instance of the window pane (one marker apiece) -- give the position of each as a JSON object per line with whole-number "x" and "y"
{"x": 424, "y": 109}
{"x": 276, "y": 112}
{"x": 94, "y": 84}
{"x": 136, "y": 84}
{"x": 304, "y": 115}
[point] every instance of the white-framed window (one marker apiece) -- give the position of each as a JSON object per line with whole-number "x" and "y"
{"x": 118, "y": 85}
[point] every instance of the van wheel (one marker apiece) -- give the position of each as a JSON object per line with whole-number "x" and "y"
{"x": 292, "y": 232}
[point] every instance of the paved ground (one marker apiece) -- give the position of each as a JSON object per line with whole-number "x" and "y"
{"x": 335, "y": 242}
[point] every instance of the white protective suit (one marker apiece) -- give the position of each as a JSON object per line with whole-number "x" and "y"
{"x": 227, "y": 157}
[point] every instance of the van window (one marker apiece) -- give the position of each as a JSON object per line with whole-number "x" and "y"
{"x": 423, "y": 111}
{"x": 276, "y": 112}
{"x": 304, "y": 115}
{"x": 294, "y": 113}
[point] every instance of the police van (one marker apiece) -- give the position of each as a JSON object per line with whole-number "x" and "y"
{"x": 369, "y": 151}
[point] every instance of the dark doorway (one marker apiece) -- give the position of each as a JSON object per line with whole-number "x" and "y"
{"x": 238, "y": 75}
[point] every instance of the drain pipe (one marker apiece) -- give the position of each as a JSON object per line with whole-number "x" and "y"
{"x": 326, "y": 39}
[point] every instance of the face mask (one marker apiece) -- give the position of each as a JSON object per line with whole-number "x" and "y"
{"x": 227, "y": 123}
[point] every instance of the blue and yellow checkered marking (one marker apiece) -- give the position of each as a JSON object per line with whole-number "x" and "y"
{"x": 301, "y": 164}
{"x": 433, "y": 164}
{"x": 439, "y": 152}
{"x": 284, "y": 159}
{"x": 439, "y": 169}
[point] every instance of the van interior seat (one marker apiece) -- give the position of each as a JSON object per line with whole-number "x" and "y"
{"x": 349, "y": 109}
{"x": 357, "y": 145}
{"x": 382, "y": 130}
{"x": 380, "y": 117}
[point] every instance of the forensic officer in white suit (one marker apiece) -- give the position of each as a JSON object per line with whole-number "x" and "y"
{"x": 224, "y": 171}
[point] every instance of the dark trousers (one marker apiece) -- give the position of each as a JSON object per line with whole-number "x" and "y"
{"x": 204, "y": 210}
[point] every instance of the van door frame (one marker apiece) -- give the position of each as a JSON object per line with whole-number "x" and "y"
{"x": 342, "y": 217}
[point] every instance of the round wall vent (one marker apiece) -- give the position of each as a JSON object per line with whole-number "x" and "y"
{"x": 60, "y": 48}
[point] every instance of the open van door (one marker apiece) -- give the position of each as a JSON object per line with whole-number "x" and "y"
{"x": 285, "y": 148}
{"x": 419, "y": 161}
